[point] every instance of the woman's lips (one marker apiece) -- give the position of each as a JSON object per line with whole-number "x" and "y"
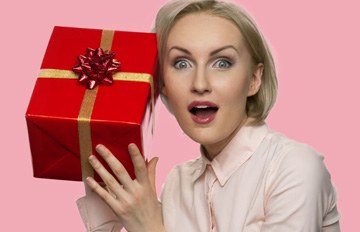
{"x": 203, "y": 112}
{"x": 203, "y": 120}
{"x": 201, "y": 103}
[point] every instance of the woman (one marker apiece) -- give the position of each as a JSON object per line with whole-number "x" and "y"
{"x": 218, "y": 79}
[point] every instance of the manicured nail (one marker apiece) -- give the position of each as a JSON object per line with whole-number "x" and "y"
{"x": 92, "y": 158}
{"x": 132, "y": 146}
{"x": 89, "y": 180}
{"x": 99, "y": 147}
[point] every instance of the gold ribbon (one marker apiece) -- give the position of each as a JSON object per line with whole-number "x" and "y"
{"x": 87, "y": 105}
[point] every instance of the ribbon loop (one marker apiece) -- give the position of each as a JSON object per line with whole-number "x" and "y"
{"x": 96, "y": 67}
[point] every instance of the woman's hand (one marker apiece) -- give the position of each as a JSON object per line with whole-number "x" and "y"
{"x": 135, "y": 202}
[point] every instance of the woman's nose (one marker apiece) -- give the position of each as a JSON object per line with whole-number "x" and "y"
{"x": 200, "y": 82}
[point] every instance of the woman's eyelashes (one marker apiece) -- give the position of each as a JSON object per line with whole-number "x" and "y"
{"x": 221, "y": 63}
{"x": 181, "y": 64}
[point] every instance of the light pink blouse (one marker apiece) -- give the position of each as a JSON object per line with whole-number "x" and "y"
{"x": 261, "y": 181}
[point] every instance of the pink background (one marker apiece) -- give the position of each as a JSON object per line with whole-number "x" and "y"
{"x": 316, "y": 47}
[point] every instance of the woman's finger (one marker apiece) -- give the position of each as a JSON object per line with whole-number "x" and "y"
{"x": 151, "y": 167}
{"x": 108, "y": 179}
{"x": 110, "y": 200}
{"x": 139, "y": 164}
{"x": 119, "y": 170}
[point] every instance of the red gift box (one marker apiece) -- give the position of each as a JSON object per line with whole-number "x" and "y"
{"x": 66, "y": 120}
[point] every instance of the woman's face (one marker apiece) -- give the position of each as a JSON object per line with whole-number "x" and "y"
{"x": 207, "y": 78}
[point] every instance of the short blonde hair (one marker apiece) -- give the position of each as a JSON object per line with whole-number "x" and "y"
{"x": 258, "y": 105}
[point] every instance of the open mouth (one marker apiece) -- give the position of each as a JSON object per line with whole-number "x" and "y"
{"x": 203, "y": 111}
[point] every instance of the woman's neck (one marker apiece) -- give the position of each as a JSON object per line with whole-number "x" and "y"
{"x": 212, "y": 150}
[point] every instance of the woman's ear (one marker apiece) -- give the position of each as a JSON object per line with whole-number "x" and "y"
{"x": 255, "y": 81}
{"x": 163, "y": 90}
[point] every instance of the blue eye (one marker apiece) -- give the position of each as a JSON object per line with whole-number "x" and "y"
{"x": 223, "y": 63}
{"x": 180, "y": 64}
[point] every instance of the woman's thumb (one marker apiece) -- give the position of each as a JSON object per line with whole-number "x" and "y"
{"x": 151, "y": 172}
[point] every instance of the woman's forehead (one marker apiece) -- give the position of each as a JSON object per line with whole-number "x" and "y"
{"x": 204, "y": 31}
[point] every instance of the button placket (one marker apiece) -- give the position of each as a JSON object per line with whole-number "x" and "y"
{"x": 210, "y": 186}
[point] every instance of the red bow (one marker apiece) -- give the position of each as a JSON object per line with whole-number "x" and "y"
{"x": 96, "y": 67}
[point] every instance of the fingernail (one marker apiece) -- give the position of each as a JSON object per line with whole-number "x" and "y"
{"x": 99, "y": 147}
{"x": 131, "y": 147}
{"x": 89, "y": 180}
{"x": 92, "y": 158}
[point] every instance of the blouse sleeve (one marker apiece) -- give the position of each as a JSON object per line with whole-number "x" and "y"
{"x": 300, "y": 195}
{"x": 97, "y": 215}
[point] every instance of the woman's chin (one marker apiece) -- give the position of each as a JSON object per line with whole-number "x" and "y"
{"x": 204, "y": 136}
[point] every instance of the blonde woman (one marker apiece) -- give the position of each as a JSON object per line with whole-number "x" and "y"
{"x": 219, "y": 81}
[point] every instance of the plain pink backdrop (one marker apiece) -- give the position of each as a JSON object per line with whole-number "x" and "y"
{"x": 316, "y": 48}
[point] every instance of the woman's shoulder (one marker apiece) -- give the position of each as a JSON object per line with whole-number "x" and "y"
{"x": 184, "y": 169}
{"x": 297, "y": 171}
{"x": 179, "y": 179}
{"x": 297, "y": 162}
{"x": 287, "y": 151}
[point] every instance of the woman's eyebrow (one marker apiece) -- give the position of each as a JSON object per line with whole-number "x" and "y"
{"x": 211, "y": 53}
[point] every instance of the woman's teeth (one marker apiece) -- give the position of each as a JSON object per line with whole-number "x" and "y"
{"x": 201, "y": 107}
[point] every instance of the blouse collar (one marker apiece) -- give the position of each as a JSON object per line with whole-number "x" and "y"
{"x": 235, "y": 153}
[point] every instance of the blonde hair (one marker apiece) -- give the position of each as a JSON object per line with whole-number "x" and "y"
{"x": 258, "y": 105}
